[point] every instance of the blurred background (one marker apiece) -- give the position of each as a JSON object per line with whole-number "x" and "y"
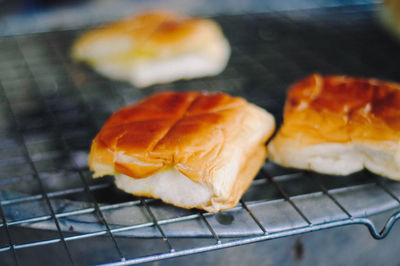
{"x": 33, "y": 16}
{"x": 53, "y": 213}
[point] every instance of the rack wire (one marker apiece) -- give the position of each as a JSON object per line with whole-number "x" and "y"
{"x": 51, "y": 108}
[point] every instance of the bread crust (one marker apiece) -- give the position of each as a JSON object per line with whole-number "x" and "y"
{"x": 212, "y": 139}
{"x": 347, "y": 113}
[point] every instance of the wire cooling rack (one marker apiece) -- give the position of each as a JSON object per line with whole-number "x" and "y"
{"x": 51, "y": 108}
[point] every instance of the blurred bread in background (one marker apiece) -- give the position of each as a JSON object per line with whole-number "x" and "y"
{"x": 389, "y": 15}
{"x": 155, "y": 47}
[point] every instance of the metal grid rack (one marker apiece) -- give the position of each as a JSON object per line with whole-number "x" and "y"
{"x": 51, "y": 108}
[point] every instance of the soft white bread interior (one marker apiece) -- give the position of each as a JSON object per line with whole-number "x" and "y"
{"x": 340, "y": 125}
{"x": 155, "y": 47}
{"x": 193, "y": 150}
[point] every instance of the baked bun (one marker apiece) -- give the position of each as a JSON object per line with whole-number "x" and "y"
{"x": 389, "y": 14}
{"x": 339, "y": 125}
{"x": 193, "y": 150}
{"x": 155, "y": 47}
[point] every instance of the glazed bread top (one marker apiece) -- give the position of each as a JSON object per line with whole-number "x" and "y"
{"x": 196, "y": 133}
{"x": 342, "y": 109}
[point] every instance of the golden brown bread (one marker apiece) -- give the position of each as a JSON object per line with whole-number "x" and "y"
{"x": 211, "y": 145}
{"x": 155, "y": 47}
{"x": 340, "y": 125}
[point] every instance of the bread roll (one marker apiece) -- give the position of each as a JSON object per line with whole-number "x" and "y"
{"x": 340, "y": 125}
{"x": 193, "y": 150}
{"x": 155, "y": 47}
